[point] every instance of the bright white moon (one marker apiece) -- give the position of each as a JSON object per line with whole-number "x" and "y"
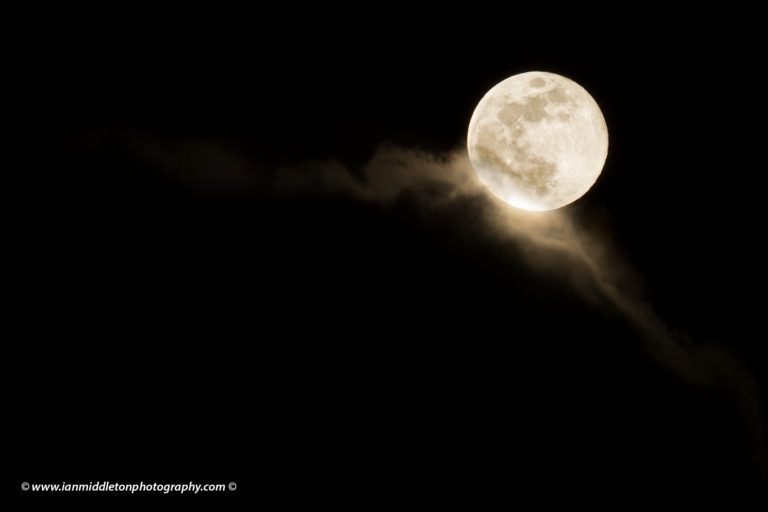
{"x": 538, "y": 140}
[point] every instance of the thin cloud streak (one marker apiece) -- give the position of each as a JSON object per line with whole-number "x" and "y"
{"x": 550, "y": 240}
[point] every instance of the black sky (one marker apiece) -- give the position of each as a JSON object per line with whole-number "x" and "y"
{"x": 169, "y": 322}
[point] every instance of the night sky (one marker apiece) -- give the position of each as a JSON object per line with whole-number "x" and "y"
{"x": 190, "y": 295}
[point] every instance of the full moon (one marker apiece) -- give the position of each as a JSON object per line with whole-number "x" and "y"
{"x": 538, "y": 140}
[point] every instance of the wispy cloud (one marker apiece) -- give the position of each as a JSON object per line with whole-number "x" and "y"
{"x": 550, "y": 240}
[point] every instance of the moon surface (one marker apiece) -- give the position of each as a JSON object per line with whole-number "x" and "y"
{"x": 538, "y": 140}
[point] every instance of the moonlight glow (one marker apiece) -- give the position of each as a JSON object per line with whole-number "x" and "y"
{"x": 538, "y": 140}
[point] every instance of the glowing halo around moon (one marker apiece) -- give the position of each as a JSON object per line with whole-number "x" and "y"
{"x": 538, "y": 140}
